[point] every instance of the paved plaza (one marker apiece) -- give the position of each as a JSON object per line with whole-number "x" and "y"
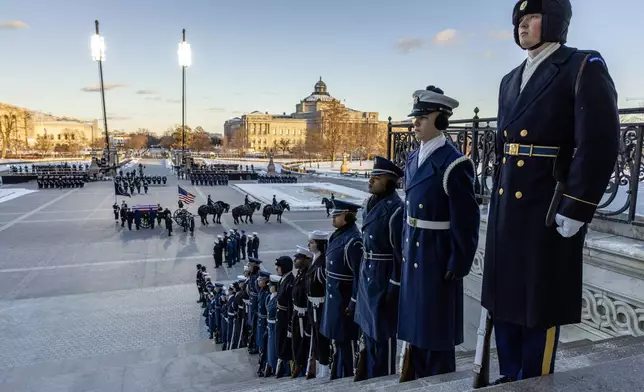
{"x": 74, "y": 284}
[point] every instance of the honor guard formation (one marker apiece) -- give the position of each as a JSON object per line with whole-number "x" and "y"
{"x": 133, "y": 180}
{"x": 276, "y": 179}
{"x": 337, "y": 307}
{"x": 209, "y": 178}
{"x": 54, "y": 176}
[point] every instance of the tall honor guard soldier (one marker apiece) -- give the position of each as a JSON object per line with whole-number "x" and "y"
{"x": 555, "y": 150}
{"x": 379, "y": 284}
{"x": 343, "y": 257}
{"x": 440, "y": 238}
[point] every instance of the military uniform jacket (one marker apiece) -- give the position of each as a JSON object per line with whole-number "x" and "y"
{"x": 343, "y": 257}
{"x": 285, "y": 297}
{"x": 533, "y": 275}
{"x": 316, "y": 279}
{"x": 379, "y": 284}
{"x": 441, "y": 228}
{"x": 253, "y": 289}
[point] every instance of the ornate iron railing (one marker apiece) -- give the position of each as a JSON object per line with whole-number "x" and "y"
{"x": 619, "y": 203}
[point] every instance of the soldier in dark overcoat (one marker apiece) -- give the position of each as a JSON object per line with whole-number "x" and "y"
{"x": 253, "y": 289}
{"x": 379, "y": 284}
{"x": 255, "y": 245}
{"x": 343, "y": 257}
{"x": 284, "y": 268}
{"x": 217, "y": 251}
{"x": 320, "y": 352}
{"x": 300, "y": 329}
{"x": 271, "y": 320}
{"x": 440, "y": 237}
{"x": 219, "y": 293}
{"x": 261, "y": 335}
{"x": 558, "y": 127}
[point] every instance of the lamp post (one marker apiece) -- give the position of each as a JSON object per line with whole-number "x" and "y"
{"x": 185, "y": 60}
{"x": 98, "y": 54}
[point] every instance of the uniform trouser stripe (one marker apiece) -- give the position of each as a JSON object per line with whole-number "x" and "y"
{"x": 389, "y": 367}
{"x": 548, "y": 351}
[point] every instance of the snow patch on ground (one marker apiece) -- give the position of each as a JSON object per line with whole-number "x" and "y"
{"x": 304, "y": 196}
{"x": 12, "y": 193}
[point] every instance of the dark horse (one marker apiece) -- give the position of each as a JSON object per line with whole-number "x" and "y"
{"x": 278, "y": 210}
{"x": 328, "y": 204}
{"x": 216, "y": 210}
{"x": 245, "y": 210}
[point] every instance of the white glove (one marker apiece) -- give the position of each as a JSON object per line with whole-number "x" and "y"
{"x": 567, "y": 227}
{"x": 288, "y": 334}
{"x": 487, "y": 214}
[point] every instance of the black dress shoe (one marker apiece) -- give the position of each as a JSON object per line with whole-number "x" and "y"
{"x": 503, "y": 380}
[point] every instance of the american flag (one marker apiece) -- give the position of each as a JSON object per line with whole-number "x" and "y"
{"x": 186, "y": 196}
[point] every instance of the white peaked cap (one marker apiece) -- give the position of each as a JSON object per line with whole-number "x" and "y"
{"x": 318, "y": 235}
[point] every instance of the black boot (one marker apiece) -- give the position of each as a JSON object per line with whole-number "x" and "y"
{"x": 503, "y": 380}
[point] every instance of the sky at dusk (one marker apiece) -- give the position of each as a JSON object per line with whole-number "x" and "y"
{"x": 267, "y": 54}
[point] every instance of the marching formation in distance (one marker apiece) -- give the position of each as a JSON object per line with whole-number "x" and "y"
{"x": 337, "y": 307}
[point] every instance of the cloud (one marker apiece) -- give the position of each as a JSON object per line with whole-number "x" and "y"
{"x": 216, "y": 110}
{"x": 153, "y": 98}
{"x": 502, "y": 34}
{"x": 13, "y": 25}
{"x": 409, "y": 44}
{"x": 173, "y": 100}
{"x": 445, "y": 37}
{"x": 94, "y": 89}
{"x": 148, "y": 92}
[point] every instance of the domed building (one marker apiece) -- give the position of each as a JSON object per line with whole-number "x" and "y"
{"x": 261, "y": 132}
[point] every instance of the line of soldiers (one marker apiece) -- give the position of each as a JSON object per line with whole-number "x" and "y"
{"x": 208, "y": 178}
{"x": 401, "y": 275}
{"x": 263, "y": 179}
{"x": 61, "y": 181}
{"x": 44, "y": 169}
{"x": 233, "y": 246}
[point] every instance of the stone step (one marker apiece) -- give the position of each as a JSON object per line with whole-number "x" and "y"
{"x": 85, "y": 365}
{"x": 175, "y": 373}
{"x": 571, "y": 355}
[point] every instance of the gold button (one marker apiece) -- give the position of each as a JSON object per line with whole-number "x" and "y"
{"x": 504, "y": 159}
{"x": 417, "y": 243}
{"x": 518, "y": 195}
{"x": 420, "y": 206}
{"x": 524, "y": 133}
{"x": 505, "y": 133}
{"x": 500, "y": 191}
{"x": 415, "y": 265}
{"x": 520, "y": 163}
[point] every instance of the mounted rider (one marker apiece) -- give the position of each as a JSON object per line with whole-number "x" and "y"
{"x": 274, "y": 202}
{"x": 209, "y": 202}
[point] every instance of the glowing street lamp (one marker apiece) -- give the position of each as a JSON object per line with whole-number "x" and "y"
{"x": 185, "y": 60}
{"x": 97, "y": 44}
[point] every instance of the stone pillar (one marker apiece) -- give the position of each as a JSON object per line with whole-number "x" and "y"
{"x": 271, "y": 165}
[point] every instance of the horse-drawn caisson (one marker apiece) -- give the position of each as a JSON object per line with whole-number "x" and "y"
{"x": 184, "y": 219}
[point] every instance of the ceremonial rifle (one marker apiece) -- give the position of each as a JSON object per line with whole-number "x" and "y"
{"x": 482, "y": 357}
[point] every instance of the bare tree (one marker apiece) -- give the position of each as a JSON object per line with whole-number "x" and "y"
{"x": 284, "y": 144}
{"x": 44, "y": 144}
{"x": 8, "y": 128}
{"x": 137, "y": 141}
{"x": 334, "y": 128}
{"x": 200, "y": 140}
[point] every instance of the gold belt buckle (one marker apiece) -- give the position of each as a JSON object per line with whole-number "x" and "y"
{"x": 413, "y": 222}
{"x": 514, "y": 149}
